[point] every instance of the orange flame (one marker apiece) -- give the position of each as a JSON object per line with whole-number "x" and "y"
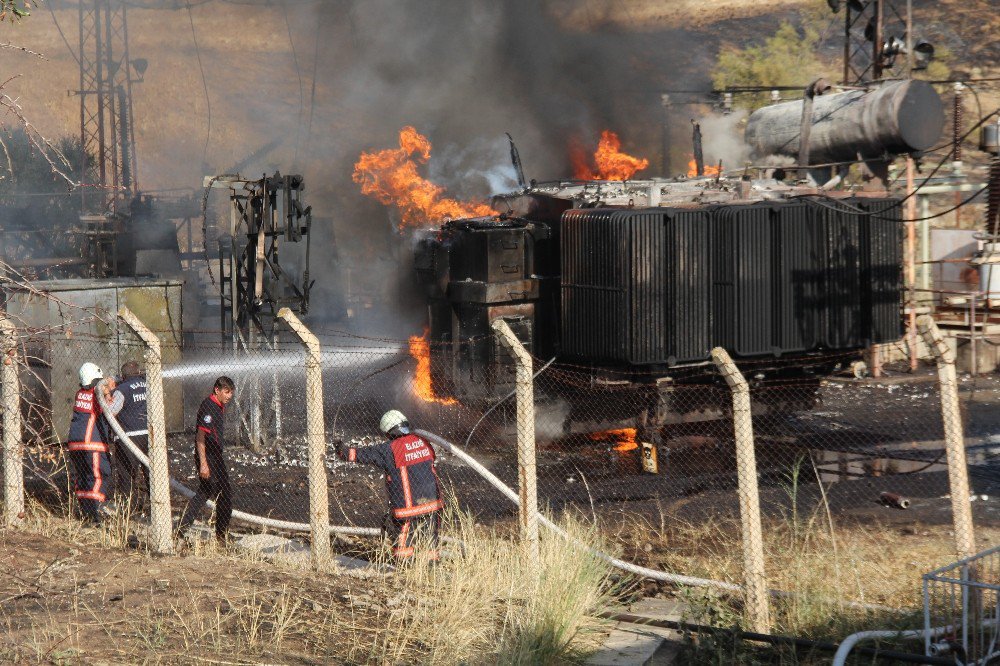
{"x": 609, "y": 162}
{"x": 709, "y": 169}
{"x": 391, "y": 177}
{"x": 624, "y": 438}
{"x": 420, "y": 350}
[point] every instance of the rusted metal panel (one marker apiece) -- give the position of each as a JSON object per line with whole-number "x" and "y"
{"x": 159, "y": 307}
{"x": 69, "y": 322}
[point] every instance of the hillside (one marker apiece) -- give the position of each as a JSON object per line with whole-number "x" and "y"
{"x": 548, "y": 73}
{"x": 255, "y": 91}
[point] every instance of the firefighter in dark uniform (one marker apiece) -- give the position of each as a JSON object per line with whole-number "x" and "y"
{"x": 128, "y": 404}
{"x": 212, "y": 471}
{"x": 88, "y": 446}
{"x": 412, "y": 482}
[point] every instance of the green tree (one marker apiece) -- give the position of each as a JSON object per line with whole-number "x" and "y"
{"x": 38, "y": 207}
{"x": 786, "y": 58}
{"x": 14, "y": 11}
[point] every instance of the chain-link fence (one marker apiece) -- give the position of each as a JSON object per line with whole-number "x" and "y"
{"x": 845, "y": 468}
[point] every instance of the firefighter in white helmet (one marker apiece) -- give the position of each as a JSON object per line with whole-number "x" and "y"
{"x": 411, "y": 480}
{"x": 88, "y": 445}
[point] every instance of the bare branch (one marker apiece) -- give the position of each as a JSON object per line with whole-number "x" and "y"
{"x": 14, "y": 47}
{"x": 10, "y": 166}
{"x": 58, "y": 163}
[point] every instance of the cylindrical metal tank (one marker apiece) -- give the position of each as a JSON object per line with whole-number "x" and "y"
{"x": 895, "y": 118}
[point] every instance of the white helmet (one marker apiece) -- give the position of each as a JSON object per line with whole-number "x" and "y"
{"x": 391, "y": 420}
{"x": 89, "y": 372}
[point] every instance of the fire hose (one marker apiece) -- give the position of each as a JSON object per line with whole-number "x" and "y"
{"x": 505, "y": 490}
{"x": 509, "y": 493}
{"x": 239, "y": 515}
{"x": 645, "y": 572}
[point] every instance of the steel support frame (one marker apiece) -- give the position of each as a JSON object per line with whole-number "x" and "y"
{"x": 255, "y": 286}
{"x": 863, "y": 57}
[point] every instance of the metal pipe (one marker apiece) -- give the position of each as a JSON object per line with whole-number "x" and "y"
{"x": 877, "y": 42}
{"x": 774, "y": 639}
{"x": 894, "y": 500}
{"x": 848, "y": 644}
{"x": 911, "y": 258}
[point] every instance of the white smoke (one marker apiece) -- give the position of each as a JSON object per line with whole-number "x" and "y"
{"x": 483, "y": 164}
{"x": 722, "y": 139}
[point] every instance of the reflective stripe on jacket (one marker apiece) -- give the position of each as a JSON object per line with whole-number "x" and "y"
{"x": 87, "y": 428}
{"x": 410, "y": 475}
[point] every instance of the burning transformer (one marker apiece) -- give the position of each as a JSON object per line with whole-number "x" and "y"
{"x": 640, "y": 294}
{"x": 637, "y": 281}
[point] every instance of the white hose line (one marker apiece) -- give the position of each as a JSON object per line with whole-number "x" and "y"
{"x": 677, "y": 579}
{"x": 239, "y": 515}
{"x": 851, "y": 642}
{"x": 613, "y": 561}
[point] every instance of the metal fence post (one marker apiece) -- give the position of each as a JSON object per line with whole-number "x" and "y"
{"x": 958, "y": 471}
{"x": 527, "y": 476}
{"x": 757, "y": 601}
{"x": 161, "y": 532}
{"x": 319, "y": 503}
{"x": 13, "y": 470}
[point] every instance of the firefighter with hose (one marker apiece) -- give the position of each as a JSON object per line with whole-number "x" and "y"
{"x": 128, "y": 404}
{"x": 88, "y": 445}
{"x": 411, "y": 480}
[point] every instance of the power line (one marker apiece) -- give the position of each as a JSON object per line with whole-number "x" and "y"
{"x": 312, "y": 93}
{"x": 204, "y": 83}
{"x": 62, "y": 34}
{"x": 302, "y": 94}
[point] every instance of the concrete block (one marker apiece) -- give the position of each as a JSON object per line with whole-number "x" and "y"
{"x": 987, "y": 357}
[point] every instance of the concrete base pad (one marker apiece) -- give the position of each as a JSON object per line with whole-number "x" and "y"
{"x": 296, "y": 552}
{"x": 636, "y": 645}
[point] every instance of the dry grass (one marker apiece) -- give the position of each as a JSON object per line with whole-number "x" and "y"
{"x": 101, "y": 596}
{"x": 487, "y": 603}
{"x": 823, "y": 563}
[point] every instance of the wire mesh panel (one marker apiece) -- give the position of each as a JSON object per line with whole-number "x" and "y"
{"x": 961, "y": 609}
{"x": 649, "y": 455}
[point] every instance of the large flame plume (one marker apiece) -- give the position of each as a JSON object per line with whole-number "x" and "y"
{"x": 420, "y": 350}
{"x": 624, "y": 438}
{"x": 391, "y": 177}
{"x": 610, "y": 163}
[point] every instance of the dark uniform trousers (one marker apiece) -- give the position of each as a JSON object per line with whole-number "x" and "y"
{"x": 128, "y": 468}
{"x": 88, "y": 454}
{"x": 216, "y": 488}
{"x": 92, "y": 470}
{"x": 409, "y": 534}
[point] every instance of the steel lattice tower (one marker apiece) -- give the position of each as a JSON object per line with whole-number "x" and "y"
{"x": 106, "y": 127}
